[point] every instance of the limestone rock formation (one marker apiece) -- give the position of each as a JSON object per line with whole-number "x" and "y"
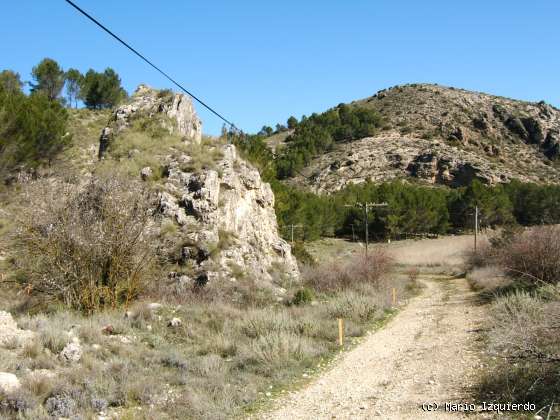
{"x": 8, "y": 382}
{"x": 221, "y": 210}
{"x": 229, "y": 215}
{"x": 176, "y": 108}
{"x": 72, "y": 352}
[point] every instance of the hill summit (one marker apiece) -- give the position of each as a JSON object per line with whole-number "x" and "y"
{"x": 443, "y": 135}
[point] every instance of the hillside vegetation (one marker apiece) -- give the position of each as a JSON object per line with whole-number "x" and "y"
{"x": 519, "y": 274}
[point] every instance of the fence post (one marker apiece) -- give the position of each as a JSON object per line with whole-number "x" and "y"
{"x": 340, "y": 332}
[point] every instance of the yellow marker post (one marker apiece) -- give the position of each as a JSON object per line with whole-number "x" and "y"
{"x": 394, "y": 297}
{"x": 340, "y": 332}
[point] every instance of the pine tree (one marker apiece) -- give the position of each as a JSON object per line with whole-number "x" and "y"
{"x": 49, "y": 79}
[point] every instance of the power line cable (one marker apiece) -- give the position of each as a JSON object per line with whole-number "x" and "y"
{"x": 87, "y": 15}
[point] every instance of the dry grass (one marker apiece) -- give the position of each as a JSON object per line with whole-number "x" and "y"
{"x": 523, "y": 339}
{"x": 488, "y": 279}
{"x": 525, "y": 346}
{"x": 341, "y": 275}
{"x": 442, "y": 252}
{"x": 236, "y": 343}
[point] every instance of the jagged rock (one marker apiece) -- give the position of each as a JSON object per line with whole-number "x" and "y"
{"x": 146, "y": 173}
{"x": 105, "y": 140}
{"x": 517, "y": 127}
{"x": 145, "y": 101}
{"x": 551, "y": 144}
{"x": 10, "y": 334}
{"x": 224, "y": 210}
{"x": 175, "y": 322}
{"x": 8, "y": 383}
{"x": 224, "y": 205}
{"x": 71, "y": 353}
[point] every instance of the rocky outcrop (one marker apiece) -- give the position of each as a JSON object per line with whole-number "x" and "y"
{"x": 228, "y": 213}
{"x": 176, "y": 112}
{"x": 391, "y": 157}
{"x": 8, "y": 383}
{"x": 222, "y": 212}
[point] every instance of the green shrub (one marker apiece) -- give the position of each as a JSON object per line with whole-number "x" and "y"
{"x": 303, "y": 296}
{"x": 302, "y": 255}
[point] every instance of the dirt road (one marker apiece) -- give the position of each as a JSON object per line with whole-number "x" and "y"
{"x": 426, "y": 354}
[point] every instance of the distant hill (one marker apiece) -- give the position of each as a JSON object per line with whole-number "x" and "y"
{"x": 442, "y": 135}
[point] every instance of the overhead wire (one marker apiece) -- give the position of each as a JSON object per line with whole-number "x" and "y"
{"x": 172, "y": 80}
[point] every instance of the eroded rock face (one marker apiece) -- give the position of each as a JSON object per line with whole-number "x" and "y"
{"x": 381, "y": 159}
{"x": 222, "y": 212}
{"x": 230, "y": 213}
{"x": 145, "y": 101}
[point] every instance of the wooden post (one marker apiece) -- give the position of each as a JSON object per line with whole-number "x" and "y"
{"x": 475, "y": 227}
{"x": 394, "y": 297}
{"x": 340, "y": 332}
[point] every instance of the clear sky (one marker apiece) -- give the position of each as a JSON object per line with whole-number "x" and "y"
{"x": 258, "y": 62}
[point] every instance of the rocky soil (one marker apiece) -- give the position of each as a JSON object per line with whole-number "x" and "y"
{"x": 440, "y": 135}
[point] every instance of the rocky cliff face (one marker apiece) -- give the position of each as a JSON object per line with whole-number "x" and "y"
{"x": 215, "y": 202}
{"x": 448, "y": 136}
{"x": 228, "y": 213}
{"x": 177, "y": 110}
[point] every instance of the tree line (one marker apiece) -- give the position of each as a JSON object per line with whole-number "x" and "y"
{"x": 412, "y": 209}
{"x": 415, "y": 210}
{"x": 318, "y": 133}
{"x": 97, "y": 90}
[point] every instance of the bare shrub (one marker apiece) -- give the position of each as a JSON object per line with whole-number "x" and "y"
{"x": 525, "y": 343}
{"x": 484, "y": 255}
{"x": 525, "y": 327}
{"x": 337, "y": 276}
{"x": 533, "y": 255}
{"x": 488, "y": 279}
{"x": 85, "y": 247}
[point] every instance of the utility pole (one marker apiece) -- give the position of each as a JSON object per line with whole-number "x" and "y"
{"x": 367, "y": 207}
{"x": 292, "y": 230}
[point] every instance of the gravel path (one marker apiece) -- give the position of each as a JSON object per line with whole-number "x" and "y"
{"x": 426, "y": 354}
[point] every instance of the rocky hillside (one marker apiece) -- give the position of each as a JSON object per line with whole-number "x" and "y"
{"x": 214, "y": 217}
{"x": 441, "y": 135}
{"x": 208, "y": 196}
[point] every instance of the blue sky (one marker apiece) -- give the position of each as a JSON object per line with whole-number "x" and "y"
{"x": 258, "y": 62}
